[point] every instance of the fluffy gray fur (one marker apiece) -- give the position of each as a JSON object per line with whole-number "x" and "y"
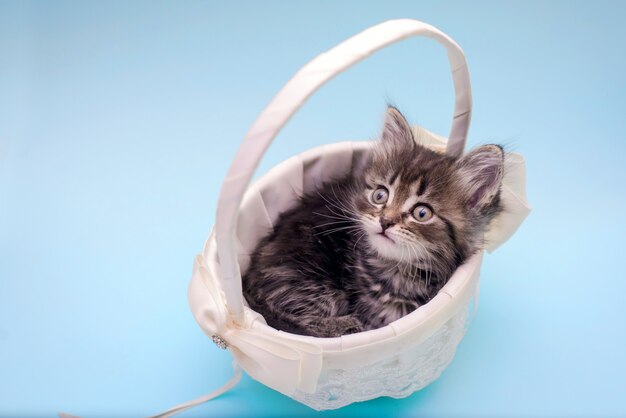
{"x": 371, "y": 247}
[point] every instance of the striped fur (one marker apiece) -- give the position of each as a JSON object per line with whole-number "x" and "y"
{"x": 339, "y": 262}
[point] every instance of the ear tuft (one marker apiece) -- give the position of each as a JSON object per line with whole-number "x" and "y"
{"x": 481, "y": 171}
{"x": 396, "y": 130}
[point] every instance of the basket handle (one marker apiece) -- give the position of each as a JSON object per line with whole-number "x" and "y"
{"x": 291, "y": 97}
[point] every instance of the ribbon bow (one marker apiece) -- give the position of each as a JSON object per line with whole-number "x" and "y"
{"x": 513, "y": 199}
{"x": 283, "y": 364}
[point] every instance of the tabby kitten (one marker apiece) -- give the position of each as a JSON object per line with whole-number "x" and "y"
{"x": 369, "y": 248}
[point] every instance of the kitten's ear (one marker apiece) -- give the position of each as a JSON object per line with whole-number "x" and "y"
{"x": 396, "y": 130}
{"x": 482, "y": 170}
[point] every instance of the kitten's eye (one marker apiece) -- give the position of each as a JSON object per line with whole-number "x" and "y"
{"x": 422, "y": 213}
{"x": 380, "y": 196}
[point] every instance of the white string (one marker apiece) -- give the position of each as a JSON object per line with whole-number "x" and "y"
{"x": 190, "y": 404}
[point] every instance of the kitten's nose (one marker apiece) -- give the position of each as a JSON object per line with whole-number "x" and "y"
{"x": 386, "y": 222}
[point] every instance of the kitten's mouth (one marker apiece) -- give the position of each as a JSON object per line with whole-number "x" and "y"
{"x": 385, "y": 236}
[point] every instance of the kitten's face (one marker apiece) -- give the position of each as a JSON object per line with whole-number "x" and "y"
{"x": 423, "y": 208}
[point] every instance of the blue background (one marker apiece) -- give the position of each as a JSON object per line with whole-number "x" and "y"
{"x": 118, "y": 122}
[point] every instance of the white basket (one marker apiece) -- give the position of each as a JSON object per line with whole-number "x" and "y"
{"x": 327, "y": 373}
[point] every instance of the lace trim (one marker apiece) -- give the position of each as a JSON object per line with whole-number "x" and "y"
{"x": 397, "y": 377}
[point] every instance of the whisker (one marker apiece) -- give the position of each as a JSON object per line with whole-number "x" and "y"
{"x": 359, "y": 239}
{"x": 343, "y": 228}
{"x": 331, "y": 216}
{"x": 330, "y": 223}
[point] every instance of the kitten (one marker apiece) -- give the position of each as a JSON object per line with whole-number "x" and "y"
{"x": 373, "y": 246}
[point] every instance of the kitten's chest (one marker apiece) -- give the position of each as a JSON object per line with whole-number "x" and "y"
{"x": 387, "y": 293}
{"x": 380, "y": 309}
{"x": 392, "y": 283}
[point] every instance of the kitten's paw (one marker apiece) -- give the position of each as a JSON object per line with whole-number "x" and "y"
{"x": 348, "y": 325}
{"x": 335, "y": 326}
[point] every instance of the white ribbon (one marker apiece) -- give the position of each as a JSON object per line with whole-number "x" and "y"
{"x": 513, "y": 199}
{"x": 282, "y": 364}
{"x": 189, "y": 404}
